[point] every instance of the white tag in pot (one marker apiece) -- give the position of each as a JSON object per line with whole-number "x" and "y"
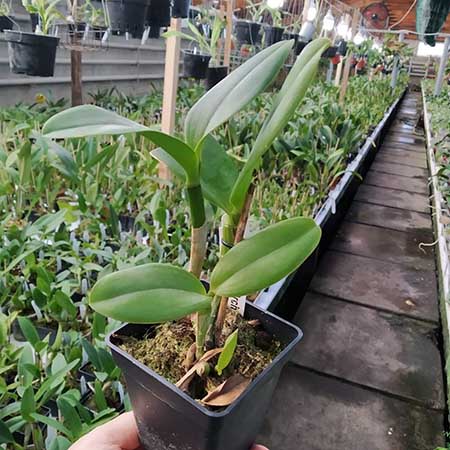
{"x": 237, "y": 304}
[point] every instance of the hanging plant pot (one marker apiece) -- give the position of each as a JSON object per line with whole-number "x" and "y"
{"x": 180, "y": 9}
{"x": 289, "y": 36}
{"x": 76, "y": 30}
{"x": 34, "y": 19}
{"x": 214, "y": 75}
{"x": 99, "y": 32}
{"x": 5, "y": 23}
{"x": 299, "y": 46}
{"x": 272, "y": 35}
{"x": 248, "y": 32}
{"x": 154, "y": 32}
{"x": 195, "y": 64}
{"x": 127, "y": 16}
{"x": 169, "y": 418}
{"x": 158, "y": 13}
{"x": 31, "y": 54}
{"x": 330, "y": 52}
{"x": 342, "y": 47}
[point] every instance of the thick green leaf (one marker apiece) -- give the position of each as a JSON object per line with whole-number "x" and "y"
{"x": 265, "y": 258}
{"x": 58, "y": 426}
{"x": 227, "y": 353}
{"x": 285, "y": 104}
{"x": 6, "y": 436}
{"x": 234, "y": 92}
{"x": 218, "y": 173}
{"x": 29, "y": 331}
{"x": 150, "y": 293}
{"x": 62, "y": 160}
{"x": 28, "y": 404}
{"x": 89, "y": 120}
{"x": 72, "y": 420}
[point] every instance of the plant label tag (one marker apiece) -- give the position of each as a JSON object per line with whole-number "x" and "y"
{"x": 237, "y": 304}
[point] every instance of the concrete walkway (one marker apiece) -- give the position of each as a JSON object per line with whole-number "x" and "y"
{"x": 368, "y": 374}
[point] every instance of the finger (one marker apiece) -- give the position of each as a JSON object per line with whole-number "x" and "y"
{"x": 259, "y": 447}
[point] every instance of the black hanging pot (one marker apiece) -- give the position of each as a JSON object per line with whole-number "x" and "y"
{"x": 342, "y": 47}
{"x": 31, "y": 54}
{"x": 154, "y": 32}
{"x": 180, "y": 9}
{"x": 127, "y": 16}
{"x": 34, "y": 19}
{"x": 5, "y": 23}
{"x": 158, "y": 13}
{"x": 214, "y": 75}
{"x": 272, "y": 35}
{"x": 99, "y": 32}
{"x": 299, "y": 46}
{"x": 248, "y": 32}
{"x": 76, "y": 29}
{"x": 167, "y": 418}
{"x": 289, "y": 36}
{"x": 330, "y": 52}
{"x": 195, "y": 65}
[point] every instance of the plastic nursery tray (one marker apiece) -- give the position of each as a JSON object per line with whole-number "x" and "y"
{"x": 284, "y": 297}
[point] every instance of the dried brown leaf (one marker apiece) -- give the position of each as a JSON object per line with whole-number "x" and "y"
{"x": 227, "y": 392}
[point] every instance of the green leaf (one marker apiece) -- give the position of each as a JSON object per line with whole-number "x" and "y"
{"x": 150, "y": 293}
{"x": 218, "y": 173}
{"x": 29, "y": 331}
{"x": 265, "y": 258}
{"x": 58, "y": 426}
{"x": 63, "y": 160}
{"x": 284, "y": 105}
{"x": 28, "y": 404}
{"x": 72, "y": 420}
{"x": 26, "y": 358}
{"x": 234, "y": 92}
{"x": 6, "y": 436}
{"x": 102, "y": 157}
{"x": 227, "y": 353}
{"x": 90, "y": 120}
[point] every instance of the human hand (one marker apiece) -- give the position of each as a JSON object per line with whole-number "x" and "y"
{"x": 119, "y": 434}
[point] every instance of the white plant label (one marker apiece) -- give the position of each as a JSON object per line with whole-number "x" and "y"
{"x": 237, "y": 304}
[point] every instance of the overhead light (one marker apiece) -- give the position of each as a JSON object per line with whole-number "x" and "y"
{"x": 312, "y": 11}
{"x": 342, "y": 28}
{"x": 328, "y": 21}
{"x": 275, "y": 4}
{"x": 307, "y": 31}
{"x": 359, "y": 38}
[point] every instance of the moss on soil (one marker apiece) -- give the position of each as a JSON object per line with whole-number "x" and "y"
{"x": 166, "y": 351}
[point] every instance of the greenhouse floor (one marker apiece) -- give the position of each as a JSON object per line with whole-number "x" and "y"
{"x": 368, "y": 373}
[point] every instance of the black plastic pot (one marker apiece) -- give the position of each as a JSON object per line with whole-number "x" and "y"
{"x": 214, "y": 75}
{"x": 330, "y": 52}
{"x": 31, "y": 54}
{"x": 154, "y": 32}
{"x": 248, "y": 32}
{"x": 77, "y": 29}
{"x": 127, "y": 16}
{"x": 42, "y": 332}
{"x": 158, "y": 13}
{"x": 5, "y": 23}
{"x": 34, "y": 19}
{"x": 180, "y": 8}
{"x": 272, "y": 35}
{"x": 342, "y": 47}
{"x": 99, "y": 32}
{"x": 299, "y": 46}
{"x": 169, "y": 418}
{"x": 195, "y": 65}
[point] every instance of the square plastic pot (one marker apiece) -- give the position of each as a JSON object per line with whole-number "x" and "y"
{"x": 248, "y": 32}
{"x": 168, "y": 418}
{"x": 195, "y": 65}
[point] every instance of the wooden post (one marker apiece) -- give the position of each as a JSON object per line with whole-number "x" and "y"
{"x": 171, "y": 73}
{"x": 443, "y": 63}
{"x": 229, "y": 33}
{"x": 348, "y": 62}
{"x": 76, "y": 76}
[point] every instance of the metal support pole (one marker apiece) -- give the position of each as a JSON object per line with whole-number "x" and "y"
{"x": 396, "y": 68}
{"x": 440, "y": 75}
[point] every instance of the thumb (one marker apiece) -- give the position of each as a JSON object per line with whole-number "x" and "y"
{"x": 259, "y": 447}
